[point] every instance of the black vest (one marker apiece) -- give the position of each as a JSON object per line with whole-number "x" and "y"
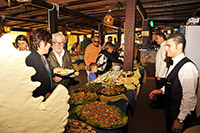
{"x": 173, "y": 90}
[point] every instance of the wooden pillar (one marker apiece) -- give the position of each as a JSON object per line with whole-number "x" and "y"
{"x": 129, "y": 35}
{"x": 150, "y": 35}
{"x": 64, "y": 29}
{"x": 1, "y": 26}
{"x": 145, "y": 33}
{"x": 92, "y": 33}
{"x": 101, "y": 35}
{"x": 53, "y": 20}
{"x": 119, "y": 34}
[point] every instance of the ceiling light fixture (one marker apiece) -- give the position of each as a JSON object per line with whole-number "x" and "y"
{"x": 108, "y": 19}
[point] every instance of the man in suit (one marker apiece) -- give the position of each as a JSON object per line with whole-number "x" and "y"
{"x": 40, "y": 42}
{"x": 181, "y": 85}
{"x": 59, "y": 58}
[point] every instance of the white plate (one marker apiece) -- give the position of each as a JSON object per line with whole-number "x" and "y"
{"x": 68, "y": 72}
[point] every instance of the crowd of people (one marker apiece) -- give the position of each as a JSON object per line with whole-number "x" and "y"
{"x": 178, "y": 81}
{"x": 49, "y": 55}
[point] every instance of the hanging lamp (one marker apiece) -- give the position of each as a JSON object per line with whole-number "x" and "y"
{"x": 108, "y": 19}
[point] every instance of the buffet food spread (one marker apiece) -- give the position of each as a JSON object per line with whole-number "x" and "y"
{"x": 89, "y": 104}
{"x": 101, "y": 115}
{"x": 76, "y": 126}
{"x": 112, "y": 90}
{"x": 82, "y": 97}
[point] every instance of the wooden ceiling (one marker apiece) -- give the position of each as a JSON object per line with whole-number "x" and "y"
{"x": 84, "y": 15}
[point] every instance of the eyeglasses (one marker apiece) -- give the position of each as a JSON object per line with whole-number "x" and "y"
{"x": 96, "y": 41}
{"x": 58, "y": 43}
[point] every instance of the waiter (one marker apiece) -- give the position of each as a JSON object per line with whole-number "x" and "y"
{"x": 181, "y": 85}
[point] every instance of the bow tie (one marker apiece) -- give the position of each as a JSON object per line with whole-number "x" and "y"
{"x": 170, "y": 61}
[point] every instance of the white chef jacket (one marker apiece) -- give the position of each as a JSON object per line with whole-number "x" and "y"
{"x": 161, "y": 64}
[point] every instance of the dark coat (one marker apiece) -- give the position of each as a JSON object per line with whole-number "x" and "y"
{"x": 42, "y": 75}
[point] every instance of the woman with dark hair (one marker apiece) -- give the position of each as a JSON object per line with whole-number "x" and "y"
{"x": 107, "y": 58}
{"x": 40, "y": 42}
{"x": 21, "y": 43}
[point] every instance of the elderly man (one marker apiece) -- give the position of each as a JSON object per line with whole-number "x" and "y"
{"x": 59, "y": 58}
{"x": 181, "y": 85}
{"x": 92, "y": 52}
{"x": 40, "y": 42}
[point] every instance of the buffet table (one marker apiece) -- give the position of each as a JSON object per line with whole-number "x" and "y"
{"x": 124, "y": 101}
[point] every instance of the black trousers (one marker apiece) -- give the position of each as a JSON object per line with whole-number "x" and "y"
{"x": 159, "y": 84}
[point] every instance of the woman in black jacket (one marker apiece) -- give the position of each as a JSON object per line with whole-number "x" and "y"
{"x": 106, "y": 58}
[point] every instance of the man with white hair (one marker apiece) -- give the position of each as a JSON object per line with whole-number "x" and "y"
{"x": 59, "y": 58}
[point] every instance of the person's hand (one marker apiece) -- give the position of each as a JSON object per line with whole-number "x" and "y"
{"x": 47, "y": 95}
{"x": 177, "y": 127}
{"x": 88, "y": 68}
{"x": 57, "y": 79}
{"x": 158, "y": 78}
{"x": 57, "y": 69}
{"x": 113, "y": 64}
{"x": 154, "y": 92}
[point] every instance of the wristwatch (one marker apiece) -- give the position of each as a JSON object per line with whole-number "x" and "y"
{"x": 180, "y": 120}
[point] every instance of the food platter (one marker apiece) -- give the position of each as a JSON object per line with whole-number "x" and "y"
{"x": 76, "y": 126}
{"x": 127, "y": 73}
{"x": 82, "y": 98}
{"x": 101, "y": 115}
{"x": 91, "y": 87}
{"x": 64, "y": 72}
{"x": 113, "y": 90}
{"x": 125, "y": 80}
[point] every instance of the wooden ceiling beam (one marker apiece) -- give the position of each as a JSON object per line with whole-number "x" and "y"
{"x": 22, "y": 19}
{"x": 72, "y": 3}
{"x": 167, "y": 4}
{"x": 28, "y": 13}
{"x": 180, "y": 8}
{"x": 178, "y": 13}
{"x": 65, "y": 10}
{"x": 141, "y": 10}
{"x": 158, "y": 1}
{"x": 109, "y": 4}
{"x": 160, "y": 24}
{"x": 39, "y": 22}
{"x": 165, "y": 18}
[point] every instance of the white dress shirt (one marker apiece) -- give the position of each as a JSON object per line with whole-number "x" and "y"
{"x": 59, "y": 58}
{"x": 188, "y": 76}
{"x": 161, "y": 64}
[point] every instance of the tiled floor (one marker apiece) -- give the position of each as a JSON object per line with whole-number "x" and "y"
{"x": 144, "y": 119}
